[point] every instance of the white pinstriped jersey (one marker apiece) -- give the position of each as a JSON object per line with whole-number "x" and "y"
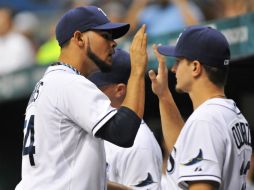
{"x": 140, "y": 166}
{"x": 60, "y": 150}
{"x": 214, "y": 145}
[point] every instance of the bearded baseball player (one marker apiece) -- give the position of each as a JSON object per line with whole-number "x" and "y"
{"x": 140, "y": 166}
{"x": 68, "y": 117}
{"x": 213, "y": 149}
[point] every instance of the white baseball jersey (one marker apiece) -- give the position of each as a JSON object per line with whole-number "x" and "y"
{"x": 60, "y": 151}
{"x": 140, "y": 166}
{"x": 165, "y": 185}
{"x": 214, "y": 145}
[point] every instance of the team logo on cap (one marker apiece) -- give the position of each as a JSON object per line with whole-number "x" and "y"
{"x": 179, "y": 37}
{"x": 99, "y": 9}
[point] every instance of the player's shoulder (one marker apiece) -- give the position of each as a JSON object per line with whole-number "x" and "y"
{"x": 215, "y": 112}
{"x": 145, "y": 137}
{"x": 215, "y": 107}
{"x": 63, "y": 76}
{"x": 144, "y": 132}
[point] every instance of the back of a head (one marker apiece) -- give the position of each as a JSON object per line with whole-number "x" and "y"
{"x": 119, "y": 73}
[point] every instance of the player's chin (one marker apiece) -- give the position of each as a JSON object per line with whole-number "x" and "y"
{"x": 179, "y": 89}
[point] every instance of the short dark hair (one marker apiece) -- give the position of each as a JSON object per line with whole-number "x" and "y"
{"x": 217, "y": 75}
{"x": 65, "y": 44}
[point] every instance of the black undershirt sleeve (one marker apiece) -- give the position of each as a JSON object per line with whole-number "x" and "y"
{"x": 121, "y": 129}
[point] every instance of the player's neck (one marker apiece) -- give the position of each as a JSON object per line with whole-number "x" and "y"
{"x": 71, "y": 60}
{"x": 200, "y": 95}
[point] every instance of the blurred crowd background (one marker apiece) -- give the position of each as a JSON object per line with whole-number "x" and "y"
{"x": 27, "y": 38}
{"x": 27, "y": 26}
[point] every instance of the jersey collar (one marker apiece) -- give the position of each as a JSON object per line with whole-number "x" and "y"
{"x": 66, "y": 65}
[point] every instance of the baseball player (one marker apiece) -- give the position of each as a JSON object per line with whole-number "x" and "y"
{"x": 213, "y": 148}
{"x": 67, "y": 116}
{"x": 140, "y": 166}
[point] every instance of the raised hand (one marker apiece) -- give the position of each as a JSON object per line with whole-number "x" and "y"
{"x": 135, "y": 96}
{"x": 138, "y": 52}
{"x": 171, "y": 119}
{"x": 159, "y": 81}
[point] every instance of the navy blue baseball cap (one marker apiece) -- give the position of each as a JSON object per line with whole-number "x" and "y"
{"x": 87, "y": 18}
{"x": 201, "y": 43}
{"x": 120, "y": 71}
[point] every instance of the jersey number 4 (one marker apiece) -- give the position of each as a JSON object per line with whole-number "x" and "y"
{"x": 29, "y": 134}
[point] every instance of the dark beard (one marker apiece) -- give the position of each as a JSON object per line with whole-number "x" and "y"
{"x": 102, "y": 65}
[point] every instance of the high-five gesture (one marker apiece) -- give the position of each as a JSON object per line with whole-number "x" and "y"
{"x": 135, "y": 97}
{"x": 138, "y": 51}
{"x": 159, "y": 82}
{"x": 170, "y": 116}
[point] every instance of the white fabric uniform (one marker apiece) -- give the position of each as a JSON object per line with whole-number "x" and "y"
{"x": 63, "y": 114}
{"x": 214, "y": 145}
{"x": 140, "y": 166}
{"x": 165, "y": 185}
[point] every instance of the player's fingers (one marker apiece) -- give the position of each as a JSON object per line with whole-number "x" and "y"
{"x": 152, "y": 75}
{"x": 141, "y": 31}
{"x": 161, "y": 59}
{"x": 137, "y": 40}
{"x": 143, "y": 37}
{"x": 144, "y": 41}
{"x": 158, "y": 55}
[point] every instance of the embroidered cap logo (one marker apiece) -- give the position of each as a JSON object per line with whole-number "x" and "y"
{"x": 179, "y": 37}
{"x": 99, "y": 9}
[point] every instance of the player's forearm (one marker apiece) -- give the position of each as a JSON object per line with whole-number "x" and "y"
{"x": 203, "y": 185}
{"x": 171, "y": 120}
{"x": 135, "y": 97}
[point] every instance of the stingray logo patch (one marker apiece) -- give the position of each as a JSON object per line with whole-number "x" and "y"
{"x": 195, "y": 160}
{"x": 147, "y": 181}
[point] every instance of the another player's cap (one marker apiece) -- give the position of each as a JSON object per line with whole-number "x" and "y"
{"x": 201, "y": 43}
{"x": 120, "y": 71}
{"x": 87, "y": 18}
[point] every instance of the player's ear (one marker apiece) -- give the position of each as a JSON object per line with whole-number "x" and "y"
{"x": 196, "y": 68}
{"x": 121, "y": 90}
{"x": 77, "y": 36}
